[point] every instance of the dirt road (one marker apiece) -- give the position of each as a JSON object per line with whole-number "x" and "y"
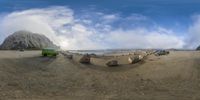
{"x": 28, "y": 76}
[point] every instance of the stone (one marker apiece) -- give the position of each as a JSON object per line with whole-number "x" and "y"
{"x": 135, "y": 59}
{"x": 112, "y": 63}
{"x": 85, "y": 59}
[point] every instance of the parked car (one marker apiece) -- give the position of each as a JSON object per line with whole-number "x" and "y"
{"x": 49, "y": 52}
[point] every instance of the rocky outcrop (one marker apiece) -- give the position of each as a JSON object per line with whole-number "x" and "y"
{"x": 26, "y": 40}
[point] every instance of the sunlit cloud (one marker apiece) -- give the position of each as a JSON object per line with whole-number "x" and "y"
{"x": 193, "y": 37}
{"x": 94, "y": 30}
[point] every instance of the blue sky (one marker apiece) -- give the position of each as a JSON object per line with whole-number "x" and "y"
{"x": 161, "y": 11}
{"x": 176, "y": 19}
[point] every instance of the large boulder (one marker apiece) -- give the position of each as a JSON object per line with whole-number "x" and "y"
{"x": 112, "y": 63}
{"x": 26, "y": 40}
{"x": 85, "y": 59}
{"x": 161, "y": 52}
{"x": 135, "y": 59}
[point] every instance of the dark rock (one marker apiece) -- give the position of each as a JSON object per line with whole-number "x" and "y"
{"x": 93, "y": 55}
{"x": 198, "y": 48}
{"x": 161, "y": 52}
{"x": 112, "y": 63}
{"x": 85, "y": 59}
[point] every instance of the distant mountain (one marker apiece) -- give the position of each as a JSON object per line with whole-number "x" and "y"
{"x": 26, "y": 40}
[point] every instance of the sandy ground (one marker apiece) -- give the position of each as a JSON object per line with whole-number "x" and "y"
{"x": 28, "y": 76}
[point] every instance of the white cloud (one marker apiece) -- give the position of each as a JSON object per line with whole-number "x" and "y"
{"x": 96, "y": 31}
{"x": 110, "y": 18}
{"x": 193, "y": 39}
{"x": 143, "y": 38}
{"x": 137, "y": 17}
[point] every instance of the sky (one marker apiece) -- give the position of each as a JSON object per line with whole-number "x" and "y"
{"x": 106, "y": 24}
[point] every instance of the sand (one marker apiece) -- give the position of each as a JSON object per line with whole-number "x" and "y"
{"x": 28, "y": 76}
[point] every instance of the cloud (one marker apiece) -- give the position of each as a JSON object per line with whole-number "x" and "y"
{"x": 142, "y": 39}
{"x": 110, "y": 17}
{"x": 193, "y": 40}
{"x": 57, "y": 23}
{"x": 44, "y": 21}
{"x": 90, "y": 30}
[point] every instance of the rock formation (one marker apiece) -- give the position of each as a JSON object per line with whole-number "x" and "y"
{"x": 26, "y": 40}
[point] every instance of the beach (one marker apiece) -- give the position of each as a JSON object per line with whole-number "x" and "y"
{"x": 28, "y": 75}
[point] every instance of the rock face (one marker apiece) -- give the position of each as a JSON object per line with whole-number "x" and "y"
{"x": 198, "y": 48}
{"x": 26, "y": 40}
